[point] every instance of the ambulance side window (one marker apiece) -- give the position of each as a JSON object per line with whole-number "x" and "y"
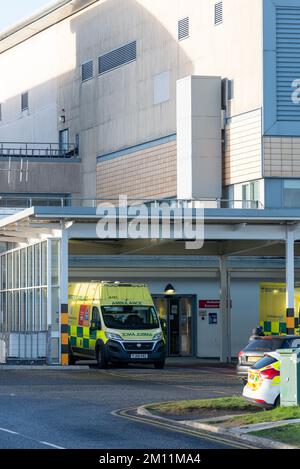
{"x": 96, "y": 317}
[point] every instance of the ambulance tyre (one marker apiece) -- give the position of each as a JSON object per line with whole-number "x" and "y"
{"x": 159, "y": 365}
{"x": 102, "y": 361}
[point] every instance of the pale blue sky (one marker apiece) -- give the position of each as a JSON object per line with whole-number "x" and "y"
{"x": 13, "y": 11}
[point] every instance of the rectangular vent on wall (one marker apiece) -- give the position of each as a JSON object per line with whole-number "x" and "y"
{"x": 87, "y": 70}
{"x": 183, "y": 28}
{"x": 287, "y": 62}
{"x": 116, "y": 58}
{"x": 219, "y": 13}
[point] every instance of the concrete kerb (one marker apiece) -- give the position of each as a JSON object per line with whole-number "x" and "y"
{"x": 265, "y": 442}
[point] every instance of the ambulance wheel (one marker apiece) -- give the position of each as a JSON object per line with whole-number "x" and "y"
{"x": 159, "y": 365}
{"x": 101, "y": 358}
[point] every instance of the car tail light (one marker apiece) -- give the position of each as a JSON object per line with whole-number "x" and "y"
{"x": 269, "y": 373}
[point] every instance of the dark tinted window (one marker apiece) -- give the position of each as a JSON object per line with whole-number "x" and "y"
{"x": 265, "y": 361}
{"x": 258, "y": 345}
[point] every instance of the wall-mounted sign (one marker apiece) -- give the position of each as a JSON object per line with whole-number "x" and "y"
{"x": 209, "y": 304}
{"x": 212, "y": 318}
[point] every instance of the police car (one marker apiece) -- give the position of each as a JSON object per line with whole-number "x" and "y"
{"x": 263, "y": 385}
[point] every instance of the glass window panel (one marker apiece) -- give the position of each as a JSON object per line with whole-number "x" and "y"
{"x": 30, "y": 305}
{"x": 23, "y": 271}
{"x": 16, "y": 310}
{"x": 37, "y": 310}
{"x": 4, "y": 312}
{"x": 37, "y": 266}
{"x": 54, "y": 262}
{"x": 9, "y": 311}
{"x": 44, "y": 310}
{"x": 44, "y": 263}
{"x": 29, "y": 266}
{"x": 9, "y": 270}
{"x": 23, "y": 325}
{"x": 16, "y": 272}
{"x": 3, "y": 277}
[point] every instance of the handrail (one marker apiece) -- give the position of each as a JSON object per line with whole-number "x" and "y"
{"x": 67, "y": 200}
{"x": 38, "y": 150}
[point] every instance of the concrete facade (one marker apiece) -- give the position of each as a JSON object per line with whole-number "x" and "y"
{"x": 134, "y": 103}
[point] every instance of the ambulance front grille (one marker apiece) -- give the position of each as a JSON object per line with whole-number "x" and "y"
{"x": 137, "y": 346}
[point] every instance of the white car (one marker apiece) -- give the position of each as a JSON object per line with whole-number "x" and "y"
{"x": 263, "y": 385}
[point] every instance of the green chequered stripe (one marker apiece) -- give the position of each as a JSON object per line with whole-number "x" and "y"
{"x": 273, "y": 327}
{"x": 81, "y": 337}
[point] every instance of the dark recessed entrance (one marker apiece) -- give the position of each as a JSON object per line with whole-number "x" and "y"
{"x": 177, "y": 314}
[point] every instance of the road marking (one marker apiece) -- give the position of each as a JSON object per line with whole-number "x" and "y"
{"x": 9, "y": 431}
{"x": 124, "y": 413}
{"x": 6, "y": 430}
{"x": 51, "y": 444}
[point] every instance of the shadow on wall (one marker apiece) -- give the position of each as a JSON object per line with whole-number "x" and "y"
{"x": 117, "y": 108}
{"x": 109, "y": 112}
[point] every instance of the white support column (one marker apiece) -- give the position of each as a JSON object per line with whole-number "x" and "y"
{"x": 63, "y": 295}
{"x": 225, "y": 326}
{"x": 290, "y": 280}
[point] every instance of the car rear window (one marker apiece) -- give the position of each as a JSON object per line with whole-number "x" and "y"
{"x": 258, "y": 345}
{"x": 265, "y": 361}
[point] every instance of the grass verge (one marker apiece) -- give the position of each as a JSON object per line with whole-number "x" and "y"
{"x": 183, "y": 407}
{"x": 289, "y": 434}
{"x": 280, "y": 413}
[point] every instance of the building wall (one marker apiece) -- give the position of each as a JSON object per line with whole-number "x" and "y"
{"x": 141, "y": 173}
{"x": 281, "y": 157}
{"x": 120, "y": 109}
{"x": 243, "y": 148}
{"x": 281, "y": 73}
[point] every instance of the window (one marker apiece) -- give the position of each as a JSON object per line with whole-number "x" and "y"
{"x": 291, "y": 193}
{"x": 183, "y": 28}
{"x": 96, "y": 317}
{"x": 295, "y": 343}
{"x": 87, "y": 71}
{"x": 24, "y": 101}
{"x": 116, "y": 58}
{"x": 250, "y": 194}
{"x": 0, "y": 112}
{"x": 162, "y": 87}
{"x": 218, "y": 13}
{"x": 63, "y": 141}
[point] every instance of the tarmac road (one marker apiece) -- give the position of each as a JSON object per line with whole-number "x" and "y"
{"x": 73, "y": 409}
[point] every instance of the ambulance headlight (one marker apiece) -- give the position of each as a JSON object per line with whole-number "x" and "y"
{"x": 158, "y": 336}
{"x": 111, "y": 335}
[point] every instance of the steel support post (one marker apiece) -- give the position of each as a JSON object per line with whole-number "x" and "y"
{"x": 225, "y": 327}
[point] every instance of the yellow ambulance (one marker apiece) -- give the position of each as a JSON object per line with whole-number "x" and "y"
{"x": 114, "y": 322}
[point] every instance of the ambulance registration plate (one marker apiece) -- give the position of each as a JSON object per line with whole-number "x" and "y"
{"x": 139, "y": 355}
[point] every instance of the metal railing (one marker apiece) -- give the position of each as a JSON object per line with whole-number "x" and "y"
{"x": 23, "y": 346}
{"x": 23, "y": 201}
{"x": 38, "y": 150}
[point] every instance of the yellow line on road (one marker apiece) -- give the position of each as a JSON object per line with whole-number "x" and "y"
{"x": 125, "y": 413}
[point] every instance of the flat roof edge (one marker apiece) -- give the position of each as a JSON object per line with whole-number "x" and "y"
{"x": 40, "y": 15}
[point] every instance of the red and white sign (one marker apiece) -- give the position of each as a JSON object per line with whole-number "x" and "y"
{"x": 209, "y": 304}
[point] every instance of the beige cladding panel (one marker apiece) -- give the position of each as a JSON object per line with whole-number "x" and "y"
{"x": 243, "y": 148}
{"x": 148, "y": 173}
{"x": 281, "y": 156}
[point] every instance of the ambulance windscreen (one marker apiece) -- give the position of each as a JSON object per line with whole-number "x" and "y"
{"x": 130, "y": 317}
